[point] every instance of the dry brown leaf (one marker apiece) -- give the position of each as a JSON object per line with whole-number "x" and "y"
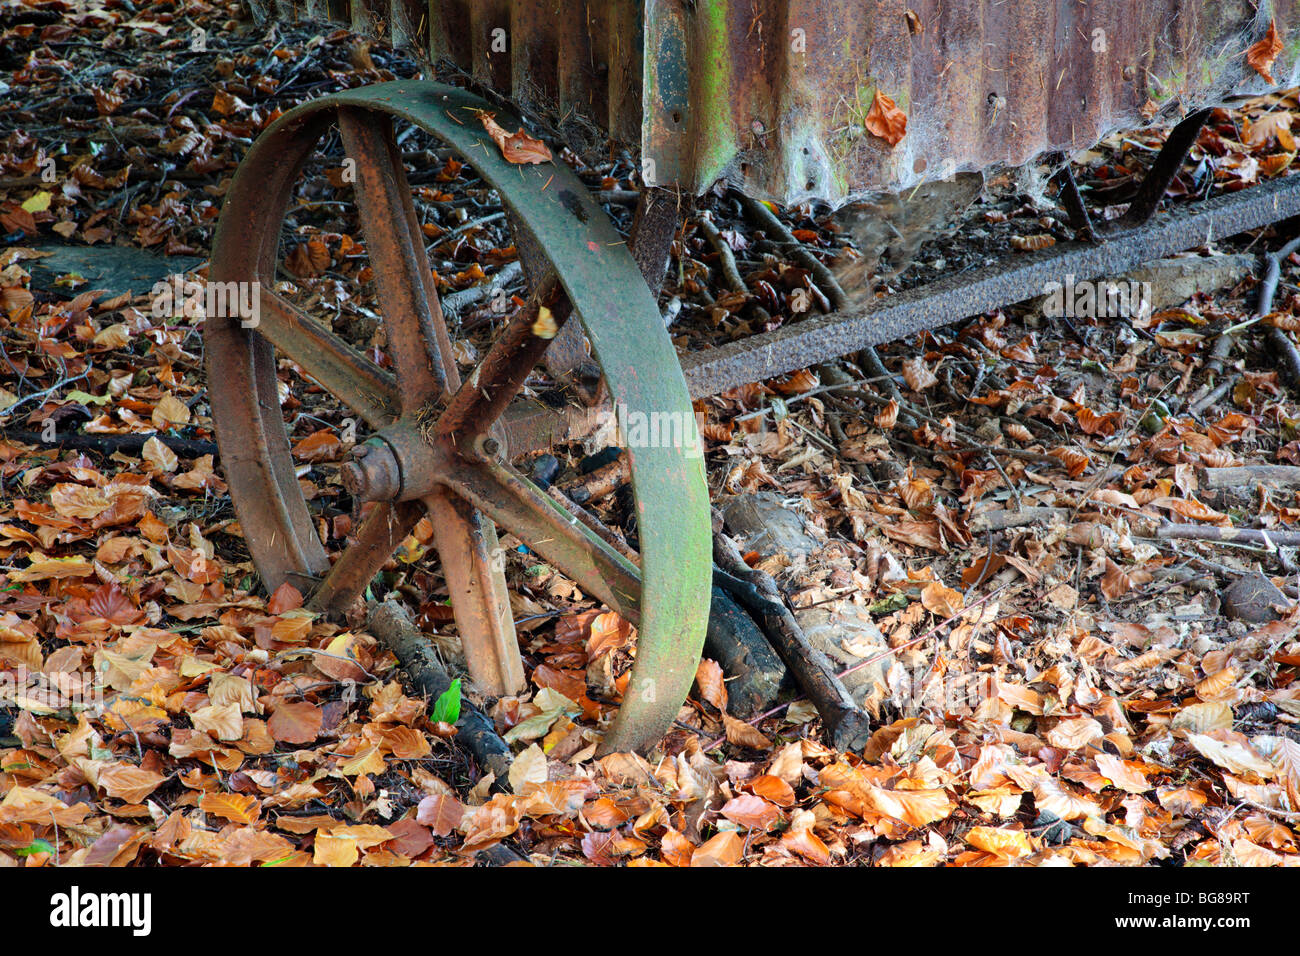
{"x": 441, "y": 813}
{"x": 295, "y": 722}
{"x": 918, "y": 375}
{"x": 750, "y": 810}
{"x": 1232, "y": 755}
{"x": 914, "y": 807}
{"x": 746, "y": 735}
{"x": 1074, "y": 732}
{"x": 1009, "y": 844}
{"x": 944, "y": 602}
{"x": 772, "y": 788}
{"x": 1202, "y": 718}
{"x": 516, "y": 147}
{"x": 1122, "y": 773}
{"x": 1263, "y": 53}
{"x": 235, "y": 807}
{"x": 886, "y": 120}
{"x": 725, "y": 849}
{"x": 709, "y": 679}
{"x": 125, "y": 782}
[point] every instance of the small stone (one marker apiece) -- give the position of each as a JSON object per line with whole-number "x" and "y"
{"x": 1154, "y": 420}
{"x": 1252, "y": 598}
{"x": 766, "y": 525}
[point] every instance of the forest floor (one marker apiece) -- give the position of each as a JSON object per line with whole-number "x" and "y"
{"x": 1067, "y": 667}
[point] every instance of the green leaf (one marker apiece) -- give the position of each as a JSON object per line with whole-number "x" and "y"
{"x": 85, "y": 398}
{"x": 446, "y": 709}
{"x": 37, "y": 846}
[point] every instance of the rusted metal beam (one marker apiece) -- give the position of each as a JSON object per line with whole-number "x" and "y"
{"x": 1013, "y": 279}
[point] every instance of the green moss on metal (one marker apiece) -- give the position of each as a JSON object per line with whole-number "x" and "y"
{"x": 714, "y": 127}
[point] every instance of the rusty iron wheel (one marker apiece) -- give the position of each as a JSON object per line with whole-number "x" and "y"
{"x": 436, "y": 445}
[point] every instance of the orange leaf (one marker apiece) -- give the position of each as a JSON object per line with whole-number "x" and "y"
{"x": 725, "y": 849}
{"x": 751, "y": 811}
{"x": 675, "y": 848}
{"x": 941, "y": 601}
{"x": 125, "y": 782}
{"x": 886, "y": 120}
{"x": 516, "y": 147}
{"x": 608, "y": 632}
{"x": 808, "y": 845}
{"x": 773, "y": 788}
{"x": 1004, "y": 843}
{"x": 1261, "y": 55}
{"x": 914, "y": 807}
{"x": 286, "y": 598}
{"x": 739, "y": 732}
{"x": 235, "y": 807}
{"x": 295, "y": 722}
{"x": 441, "y": 813}
{"x": 1122, "y": 773}
{"x": 708, "y": 677}
{"x": 322, "y": 445}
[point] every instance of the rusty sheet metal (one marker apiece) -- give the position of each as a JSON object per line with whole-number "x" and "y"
{"x": 774, "y": 94}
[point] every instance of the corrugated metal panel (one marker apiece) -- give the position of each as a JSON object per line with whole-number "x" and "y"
{"x": 773, "y": 93}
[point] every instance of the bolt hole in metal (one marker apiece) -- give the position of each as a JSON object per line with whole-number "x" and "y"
{"x": 427, "y": 446}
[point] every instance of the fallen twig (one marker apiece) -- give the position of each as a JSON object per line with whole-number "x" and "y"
{"x": 1280, "y": 341}
{"x": 1270, "y": 539}
{"x": 847, "y": 725}
{"x": 726, "y": 258}
{"x": 111, "y": 444}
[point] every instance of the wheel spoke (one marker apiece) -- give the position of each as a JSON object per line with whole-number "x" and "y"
{"x": 397, "y": 257}
{"x": 476, "y": 581}
{"x": 501, "y": 373}
{"x": 343, "y": 372}
{"x": 376, "y": 540}
{"x": 517, "y": 505}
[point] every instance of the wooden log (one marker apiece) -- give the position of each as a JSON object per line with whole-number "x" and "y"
{"x": 755, "y": 674}
{"x": 1245, "y": 477}
{"x": 1001, "y": 520}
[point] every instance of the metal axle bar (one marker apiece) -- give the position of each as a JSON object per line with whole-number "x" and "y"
{"x": 1011, "y": 279}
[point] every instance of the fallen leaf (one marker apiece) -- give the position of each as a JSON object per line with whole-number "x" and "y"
{"x": 886, "y": 120}
{"x": 1261, "y": 54}
{"x": 516, "y": 147}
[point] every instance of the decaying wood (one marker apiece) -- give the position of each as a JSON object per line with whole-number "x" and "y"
{"x": 1001, "y": 520}
{"x": 1247, "y": 476}
{"x": 1279, "y": 340}
{"x": 598, "y": 483}
{"x": 755, "y": 674}
{"x": 847, "y": 725}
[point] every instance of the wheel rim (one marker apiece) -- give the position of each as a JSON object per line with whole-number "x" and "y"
{"x": 434, "y": 450}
